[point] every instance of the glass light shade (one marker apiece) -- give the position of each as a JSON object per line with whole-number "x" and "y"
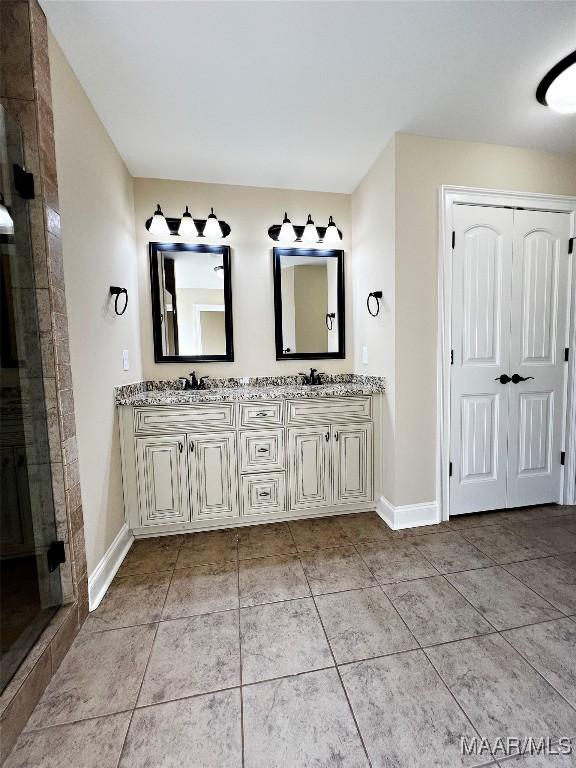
{"x": 159, "y": 225}
{"x": 187, "y": 226}
{"x": 561, "y": 94}
{"x": 310, "y": 234}
{"x": 212, "y": 230}
{"x": 219, "y": 271}
{"x": 6, "y": 222}
{"x": 332, "y": 235}
{"x": 287, "y": 233}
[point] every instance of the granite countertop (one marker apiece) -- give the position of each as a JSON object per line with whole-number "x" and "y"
{"x": 263, "y": 388}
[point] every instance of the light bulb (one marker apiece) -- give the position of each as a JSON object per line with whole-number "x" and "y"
{"x": 187, "y": 226}
{"x": 159, "y": 225}
{"x": 310, "y": 234}
{"x": 561, "y": 94}
{"x": 212, "y": 230}
{"x": 287, "y": 233}
{"x": 332, "y": 235}
{"x": 6, "y": 222}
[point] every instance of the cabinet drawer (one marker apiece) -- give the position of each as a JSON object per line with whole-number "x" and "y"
{"x": 325, "y": 410}
{"x": 263, "y": 494}
{"x": 265, "y": 414}
{"x": 262, "y": 450}
{"x": 161, "y": 420}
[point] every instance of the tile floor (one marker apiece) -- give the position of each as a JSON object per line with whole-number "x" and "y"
{"x": 323, "y": 643}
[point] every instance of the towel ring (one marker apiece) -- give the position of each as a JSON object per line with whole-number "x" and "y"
{"x": 374, "y": 295}
{"x": 330, "y": 320}
{"x": 116, "y": 291}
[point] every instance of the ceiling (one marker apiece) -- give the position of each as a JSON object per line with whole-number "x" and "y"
{"x": 304, "y": 95}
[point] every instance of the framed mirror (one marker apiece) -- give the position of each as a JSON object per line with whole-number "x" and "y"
{"x": 191, "y": 302}
{"x": 309, "y": 303}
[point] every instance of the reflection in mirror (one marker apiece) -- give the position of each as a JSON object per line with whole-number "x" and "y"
{"x": 309, "y": 303}
{"x": 191, "y": 297}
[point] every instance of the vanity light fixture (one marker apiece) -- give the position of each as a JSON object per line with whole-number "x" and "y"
{"x": 6, "y": 221}
{"x": 158, "y": 224}
{"x": 557, "y": 88}
{"x": 287, "y": 234}
{"x": 212, "y": 230}
{"x": 304, "y": 233}
{"x": 332, "y": 234}
{"x": 310, "y": 234}
{"x": 219, "y": 269}
{"x": 187, "y": 226}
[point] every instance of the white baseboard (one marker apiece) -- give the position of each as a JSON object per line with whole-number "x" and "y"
{"x": 408, "y": 515}
{"x": 99, "y": 580}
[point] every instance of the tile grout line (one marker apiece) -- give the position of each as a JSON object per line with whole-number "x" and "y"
{"x": 334, "y": 658}
{"x": 145, "y": 669}
{"x": 241, "y": 681}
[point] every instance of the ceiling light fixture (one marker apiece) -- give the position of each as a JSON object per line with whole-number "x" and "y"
{"x": 6, "y": 221}
{"x": 310, "y": 234}
{"x": 187, "y": 226}
{"x": 332, "y": 234}
{"x": 557, "y": 88}
{"x": 158, "y": 224}
{"x": 212, "y": 230}
{"x": 287, "y": 234}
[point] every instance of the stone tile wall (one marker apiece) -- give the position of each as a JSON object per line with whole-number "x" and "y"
{"x": 25, "y": 93}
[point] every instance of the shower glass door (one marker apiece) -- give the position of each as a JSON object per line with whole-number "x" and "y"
{"x": 30, "y": 587}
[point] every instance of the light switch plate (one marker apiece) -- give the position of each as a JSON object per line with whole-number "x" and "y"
{"x": 125, "y": 360}
{"x": 365, "y": 355}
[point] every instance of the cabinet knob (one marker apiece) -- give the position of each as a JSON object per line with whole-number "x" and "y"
{"x": 264, "y": 493}
{"x": 262, "y": 413}
{"x": 327, "y": 436}
{"x": 180, "y": 447}
{"x": 191, "y": 446}
{"x": 263, "y": 450}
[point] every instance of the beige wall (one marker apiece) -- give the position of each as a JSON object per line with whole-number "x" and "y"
{"x": 99, "y": 251}
{"x": 373, "y": 247}
{"x": 422, "y": 166}
{"x": 249, "y": 211}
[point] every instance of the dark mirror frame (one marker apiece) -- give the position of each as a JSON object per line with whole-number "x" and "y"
{"x": 311, "y": 252}
{"x": 224, "y": 250}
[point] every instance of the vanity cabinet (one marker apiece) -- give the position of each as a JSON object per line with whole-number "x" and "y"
{"x": 330, "y": 465}
{"x": 211, "y": 465}
{"x": 162, "y": 479}
{"x": 213, "y": 474}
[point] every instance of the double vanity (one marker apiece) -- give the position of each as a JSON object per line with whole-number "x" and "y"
{"x": 247, "y": 451}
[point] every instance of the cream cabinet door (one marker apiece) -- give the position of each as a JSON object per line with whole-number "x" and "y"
{"x": 309, "y": 452}
{"x": 162, "y": 472}
{"x": 352, "y": 445}
{"x": 214, "y": 476}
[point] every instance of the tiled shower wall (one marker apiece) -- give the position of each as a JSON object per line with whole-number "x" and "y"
{"x": 25, "y": 93}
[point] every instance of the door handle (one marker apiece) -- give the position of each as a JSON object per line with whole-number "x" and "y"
{"x": 327, "y": 436}
{"x": 504, "y": 379}
{"x": 180, "y": 447}
{"x": 191, "y": 446}
{"x": 516, "y": 378}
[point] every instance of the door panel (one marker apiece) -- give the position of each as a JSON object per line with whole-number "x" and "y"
{"x": 539, "y": 322}
{"x": 352, "y": 463}
{"x": 214, "y": 476}
{"x": 482, "y": 267}
{"x": 162, "y": 479}
{"x": 309, "y": 457}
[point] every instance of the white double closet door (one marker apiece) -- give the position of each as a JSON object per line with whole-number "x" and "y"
{"x": 510, "y": 318}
